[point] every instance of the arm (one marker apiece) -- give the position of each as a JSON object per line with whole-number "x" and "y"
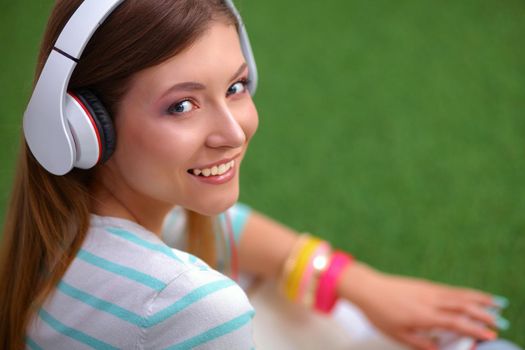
{"x": 400, "y": 307}
{"x": 264, "y": 246}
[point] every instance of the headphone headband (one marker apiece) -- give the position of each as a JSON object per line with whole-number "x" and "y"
{"x": 56, "y": 131}
{"x": 83, "y": 24}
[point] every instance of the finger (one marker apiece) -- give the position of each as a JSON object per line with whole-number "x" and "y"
{"x": 464, "y": 325}
{"x": 416, "y": 341}
{"x": 471, "y": 310}
{"x": 472, "y": 295}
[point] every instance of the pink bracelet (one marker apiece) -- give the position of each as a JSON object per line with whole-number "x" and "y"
{"x": 326, "y": 292}
{"x": 323, "y": 249}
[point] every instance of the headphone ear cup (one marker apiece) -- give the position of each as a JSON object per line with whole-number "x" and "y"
{"x": 102, "y": 120}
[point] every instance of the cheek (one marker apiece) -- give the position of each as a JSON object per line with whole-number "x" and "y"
{"x": 249, "y": 120}
{"x": 160, "y": 140}
{"x": 154, "y": 159}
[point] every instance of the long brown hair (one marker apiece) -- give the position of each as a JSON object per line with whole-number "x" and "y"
{"x": 48, "y": 216}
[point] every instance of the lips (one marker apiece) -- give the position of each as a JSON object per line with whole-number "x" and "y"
{"x": 225, "y": 172}
{"x": 216, "y": 170}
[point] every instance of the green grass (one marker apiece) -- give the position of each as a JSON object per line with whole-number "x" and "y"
{"x": 394, "y": 129}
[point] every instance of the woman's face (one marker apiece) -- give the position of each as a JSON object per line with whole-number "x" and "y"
{"x": 184, "y": 126}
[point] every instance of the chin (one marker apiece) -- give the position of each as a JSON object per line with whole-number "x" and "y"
{"x": 214, "y": 206}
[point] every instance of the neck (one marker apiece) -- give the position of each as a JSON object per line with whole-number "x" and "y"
{"x": 117, "y": 200}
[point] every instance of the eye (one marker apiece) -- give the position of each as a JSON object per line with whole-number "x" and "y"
{"x": 238, "y": 88}
{"x": 184, "y": 106}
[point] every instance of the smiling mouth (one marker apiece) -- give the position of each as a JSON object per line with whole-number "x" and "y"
{"x": 216, "y": 170}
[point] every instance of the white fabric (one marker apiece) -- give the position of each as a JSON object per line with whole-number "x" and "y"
{"x": 126, "y": 289}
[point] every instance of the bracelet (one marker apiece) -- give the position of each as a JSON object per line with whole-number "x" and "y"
{"x": 317, "y": 266}
{"x": 326, "y": 295}
{"x": 291, "y": 260}
{"x": 294, "y": 277}
{"x": 301, "y": 267}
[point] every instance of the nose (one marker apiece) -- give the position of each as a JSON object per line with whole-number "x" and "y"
{"x": 227, "y": 131}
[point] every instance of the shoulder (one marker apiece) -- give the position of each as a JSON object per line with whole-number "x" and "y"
{"x": 127, "y": 289}
{"x": 201, "y": 307}
{"x": 127, "y": 249}
{"x": 188, "y": 303}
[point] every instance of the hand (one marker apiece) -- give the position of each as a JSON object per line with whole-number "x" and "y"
{"x": 407, "y": 309}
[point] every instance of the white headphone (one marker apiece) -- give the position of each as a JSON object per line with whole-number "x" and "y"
{"x": 65, "y": 129}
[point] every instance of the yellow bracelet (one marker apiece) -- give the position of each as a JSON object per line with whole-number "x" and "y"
{"x": 291, "y": 260}
{"x": 294, "y": 279}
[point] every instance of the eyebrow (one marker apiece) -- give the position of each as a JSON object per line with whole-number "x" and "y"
{"x": 193, "y": 86}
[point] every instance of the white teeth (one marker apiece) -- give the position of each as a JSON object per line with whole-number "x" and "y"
{"x": 215, "y": 170}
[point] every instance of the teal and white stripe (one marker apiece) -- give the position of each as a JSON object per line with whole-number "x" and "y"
{"x": 73, "y": 333}
{"x": 32, "y": 344}
{"x": 215, "y": 332}
{"x": 127, "y": 289}
{"x": 100, "y": 304}
{"x": 121, "y": 270}
{"x": 130, "y": 237}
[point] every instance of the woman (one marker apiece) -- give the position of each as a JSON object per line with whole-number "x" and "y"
{"x": 83, "y": 263}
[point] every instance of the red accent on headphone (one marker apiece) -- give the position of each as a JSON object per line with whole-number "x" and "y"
{"x": 92, "y": 123}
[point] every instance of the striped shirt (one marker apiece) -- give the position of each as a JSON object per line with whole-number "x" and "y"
{"x": 127, "y": 289}
{"x": 230, "y": 225}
